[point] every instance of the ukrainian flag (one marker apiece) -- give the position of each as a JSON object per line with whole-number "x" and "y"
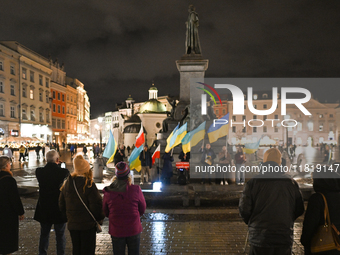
{"x": 193, "y": 137}
{"x": 110, "y": 149}
{"x": 176, "y": 139}
{"x": 218, "y": 129}
{"x": 168, "y": 147}
{"x": 134, "y": 162}
{"x": 250, "y": 148}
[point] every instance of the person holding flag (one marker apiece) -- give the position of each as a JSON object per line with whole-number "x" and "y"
{"x": 110, "y": 148}
{"x": 146, "y": 162}
{"x": 207, "y": 159}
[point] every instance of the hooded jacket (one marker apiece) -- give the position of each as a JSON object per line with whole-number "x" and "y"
{"x": 269, "y": 205}
{"x": 330, "y": 188}
{"x": 123, "y": 204}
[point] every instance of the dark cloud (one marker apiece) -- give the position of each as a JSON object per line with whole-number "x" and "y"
{"x": 117, "y": 48}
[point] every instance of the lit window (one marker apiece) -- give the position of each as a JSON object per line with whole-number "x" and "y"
{"x": 31, "y": 94}
{"x": 24, "y": 73}
{"x": 255, "y": 96}
{"x": 321, "y": 127}
{"x": 321, "y": 116}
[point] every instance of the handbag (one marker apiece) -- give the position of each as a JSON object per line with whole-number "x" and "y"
{"x": 326, "y": 237}
{"x": 98, "y": 227}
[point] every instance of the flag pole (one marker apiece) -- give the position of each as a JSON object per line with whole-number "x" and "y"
{"x": 172, "y": 151}
{"x": 159, "y": 165}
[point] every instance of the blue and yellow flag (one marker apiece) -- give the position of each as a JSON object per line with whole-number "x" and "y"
{"x": 134, "y": 162}
{"x": 168, "y": 148}
{"x": 110, "y": 149}
{"x": 250, "y": 148}
{"x": 193, "y": 137}
{"x": 218, "y": 129}
{"x": 178, "y": 136}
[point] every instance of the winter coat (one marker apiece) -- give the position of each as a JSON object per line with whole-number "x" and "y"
{"x": 206, "y": 153}
{"x": 118, "y": 157}
{"x": 124, "y": 204}
{"x": 314, "y": 217}
{"x": 50, "y": 178}
{"x": 167, "y": 165}
{"x": 78, "y": 217}
{"x": 11, "y": 207}
{"x": 224, "y": 158}
{"x": 145, "y": 158}
{"x": 269, "y": 205}
{"x": 181, "y": 156}
{"x": 239, "y": 158}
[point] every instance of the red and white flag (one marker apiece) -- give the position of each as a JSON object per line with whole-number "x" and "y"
{"x": 156, "y": 154}
{"x": 140, "y": 137}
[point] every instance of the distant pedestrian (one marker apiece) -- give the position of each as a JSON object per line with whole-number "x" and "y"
{"x": 50, "y": 178}
{"x": 120, "y": 154}
{"x": 96, "y": 151}
{"x": 240, "y": 159}
{"x": 146, "y": 162}
{"x": 7, "y": 152}
{"x": 22, "y": 153}
{"x": 224, "y": 159}
{"x": 84, "y": 150}
{"x": 11, "y": 209}
{"x": 207, "y": 159}
{"x": 27, "y": 151}
{"x": 128, "y": 148}
{"x": 81, "y": 225}
{"x": 37, "y": 151}
{"x": 43, "y": 149}
{"x": 72, "y": 150}
{"x": 124, "y": 204}
{"x": 269, "y": 205}
{"x": 167, "y": 167}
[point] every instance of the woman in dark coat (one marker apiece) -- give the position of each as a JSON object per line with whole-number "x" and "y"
{"x": 11, "y": 209}
{"x": 329, "y": 185}
{"x": 167, "y": 167}
{"x": 80, "y": 223}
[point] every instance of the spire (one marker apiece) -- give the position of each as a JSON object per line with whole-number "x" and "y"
{"x": 153, "y": 92}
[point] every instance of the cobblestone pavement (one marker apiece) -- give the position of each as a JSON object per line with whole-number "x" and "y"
{"x": 183, "y": 231}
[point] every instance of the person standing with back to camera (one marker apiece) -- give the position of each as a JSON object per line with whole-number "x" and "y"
{"x": 11, "y": 209}
{"x": 124, "y": 204}
{"x": 81, "y": 225}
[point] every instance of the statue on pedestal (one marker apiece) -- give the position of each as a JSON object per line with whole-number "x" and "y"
{"x": 192, "y": 43}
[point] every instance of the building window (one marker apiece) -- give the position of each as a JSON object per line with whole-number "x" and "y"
{"x": 71, "y": 99}
{"x": 12, "y": 90}
{"x": 58, "y": 124}
{"x": 276, "y": 129}
{"x": 47, "y": 117}
{"x": 53, "y": 107}
{"x": 276, "y": 117}
{"x": 310, "y": 126}
{"x": 254, "y": 129}
{"x": 41, "y": 96}
{"x": 24, "y": 92}
{"x": 58, "y": 108}
{"x": 54, "y": 123}
{"x": 53, "y": 94}
{"x": 63, "y": 124}
{"x": 24, "y": 73}
{"x": 71, "y": 110}
{"x": 299, "y": 126}
{"x": 223, "y": 111}
{"x": 255, "y": 96}
{"x": 1, "y": 65}
{"x": 41, "y": 118}
{"x": 321, "y": 116}
{"x": 12, "y": 112}
{"x": 234, "y": 118}
{"x": 234, "y": 129}
{"x": 32, "y": 115}
{"x": 265, "y": 95}
{"x": 243, "y": 117}
{"x": 264, "y": 106}
{"x": 63, "y": 109}
{"x": 255, "y": 106}
{"x": 12, "y": 70}
{"x": 31, "y": 76}
{"x": 331, "y": 115}
{"x": 244, "y": 129}
{"x": 40, "y": 80}
{"x": 68, "y": 98}
{"x": 264, "y": 129}
{"x": 254, "y": 117}
{"x": 63, "y": 98}
{"x": 2, "y": 112}
{"x": 321, "y": 127}
{"x": 31, "y": 94}
{"x": 264, "y": 117}
{"x": 68, "y": 124}
{"x": 2, "y": 89}
{"x": 24, "y": 114}
{"x": 47, "y": 98}
{"x": 216, "y": 111}
{"x": 47, "y": 82}
{"x": 58, "y": 96}
{"x": 68, "y": 109}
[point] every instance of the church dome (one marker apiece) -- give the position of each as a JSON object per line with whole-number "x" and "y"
{"x": 152, "y": 106}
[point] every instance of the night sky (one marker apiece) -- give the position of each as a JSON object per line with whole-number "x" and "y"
{"x": 117, "y": 48}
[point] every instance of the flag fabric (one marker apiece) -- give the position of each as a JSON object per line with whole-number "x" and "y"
{"x": 177, "y": 137}
{"x": 134, "y": 162}
{"x": 110, "y": 149}
{"x": 156, "y": 154}
{"x": 193, "y": 137}
{"x": 219, "y": 129}
{"x": 250, "y": 148}
{"x": 140, "y": 137}
{"x": 167, "y": 148}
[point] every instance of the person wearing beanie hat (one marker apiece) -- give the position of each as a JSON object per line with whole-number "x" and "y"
{"x": 124, "y": 204}
{"x": 270, "y": 203}
{"x": 80, "y": 223}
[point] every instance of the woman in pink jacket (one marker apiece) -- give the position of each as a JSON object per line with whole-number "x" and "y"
{"x": 124, "y": 204}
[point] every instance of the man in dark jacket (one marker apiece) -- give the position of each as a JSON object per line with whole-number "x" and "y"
{"x": 207, "y": 159}
{"x": 50, "y": 178}
{"x": 146, "y": 161}
{"x": 269, "y": 205}
{"x": 120, "y": 154}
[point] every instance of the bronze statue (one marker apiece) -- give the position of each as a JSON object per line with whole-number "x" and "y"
{"x": 192, "y": 43}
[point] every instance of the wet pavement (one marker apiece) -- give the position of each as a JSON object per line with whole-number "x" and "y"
{"x": 165, "y": 231}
